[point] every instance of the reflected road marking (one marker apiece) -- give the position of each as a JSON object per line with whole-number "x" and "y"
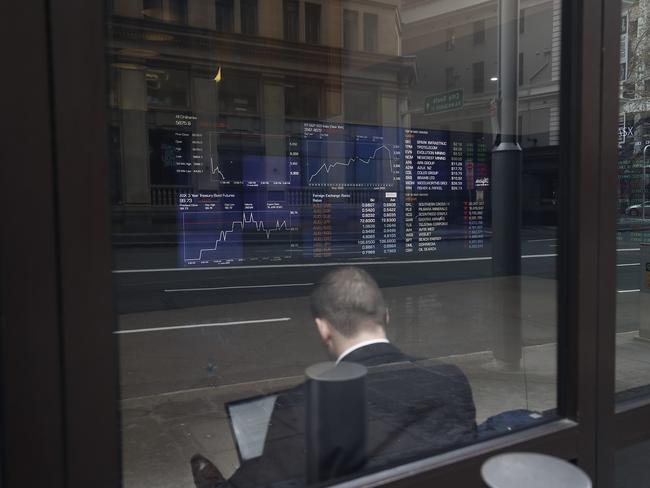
{"x": 197, "y": 326}
{"x": 173, "y": 290}
{"x": 316, "y": 265}
{"x": 628, "y": 291}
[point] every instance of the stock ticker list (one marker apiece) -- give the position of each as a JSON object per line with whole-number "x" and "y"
{"x": 324, "y": 191}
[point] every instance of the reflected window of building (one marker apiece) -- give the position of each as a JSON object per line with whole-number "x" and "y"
{"x": 521, "y": 68}
{"x": 302, "y": 99}
{"x": 479, "y": 32}
{"x": 291, "y": 20}
{"x": 361, "y": 104}
{"x": 351, "y": 30}
{"x": 167, "y": 11}
{"x": 450, "y": 78}
{"x": 238, "y": 93}
{"x": 370, "y": 26}
{"x": 249, "y": 17}
{"x": 478, "y": 76}
{"x": 225, "y": 15}
{"x": 167, "y": 87}
{"x": 312, "y": 23}
{"x": 450, "y": 39}
{"x": 522, "y": 21}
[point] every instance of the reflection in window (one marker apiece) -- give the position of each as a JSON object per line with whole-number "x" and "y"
{"x": 350, "y": 30}
{"x": 302, "y": 99}
{"x": 238, "y": 94}
{"x": 167, "y": 87}
{"x": 312, "y": 23}
{"x": 450, "y": 78}
{"x": 478, "y": 77}
{"x": 291, "y": 20}
{"x": 479, "y": 32}
{"x": 633, "y": 234}
{"x": 370, "y": 27}
{"x": 152, "y": 9}
{"x": 520, "y": 67}
{"x": 360, "y": 104}
{"x": 225, "y": 15}
{"x": 256, "y": 182}
{"x": 168, "y": 10}
{"x": 450, "y": 39}
{"x": 249, "y": 17}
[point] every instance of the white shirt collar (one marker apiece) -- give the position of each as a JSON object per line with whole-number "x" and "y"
{"x": 359, "y": 346}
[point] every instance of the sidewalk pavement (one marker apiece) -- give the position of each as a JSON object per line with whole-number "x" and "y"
{"x": 161, "y": 432}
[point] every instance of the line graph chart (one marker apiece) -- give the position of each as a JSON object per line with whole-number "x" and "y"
{"x": 234, "y": 163}
{"x": 226, "y": 237}
{"x": 351, "y": 163}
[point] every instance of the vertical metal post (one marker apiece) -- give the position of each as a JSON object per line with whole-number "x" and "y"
{"x": 336, "y": 430}
{"x": 506, "y": 193}
{"x": 643, "y": 183}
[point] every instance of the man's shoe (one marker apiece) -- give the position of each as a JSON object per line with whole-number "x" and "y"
{"x": 206, "y": 474}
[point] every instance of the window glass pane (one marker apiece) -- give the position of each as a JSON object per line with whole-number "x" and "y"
{"x": 350, "y": 29}
{"x": 295, "y": 182}
{"x": 478, "y": 71}
{"x": 248, "y": 17}
{"x": 370, "y": 23}
{"x": 633, "y": 237}
{"x": 224, "y": 15}
{"x": 291, "y": 20}
{"x": 312, "y": 23}
{"x": 167, "y": 87}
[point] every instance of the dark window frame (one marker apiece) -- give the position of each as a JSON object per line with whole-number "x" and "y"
{"x": 478, "y": 77}
{"x": 81, "y": 329}
{"x": 450, "y": 39}
{"x": 291, "y": 18}
{"x": 313, "y": 23}
{"x": 353, "y": 44}
{"x": 478, "y": 37}
{"x": 370, "y": 39}
{"x": 224, "y": 16}
{"x": 249, "y": 23}
{"x": 450, "y": 78}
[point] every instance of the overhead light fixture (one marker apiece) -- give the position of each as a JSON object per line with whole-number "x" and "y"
{"x": 217, "y": 77}
{"x": 494, "y": 78}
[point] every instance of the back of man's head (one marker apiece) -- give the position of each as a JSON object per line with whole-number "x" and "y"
{"x": 350, "y": 300}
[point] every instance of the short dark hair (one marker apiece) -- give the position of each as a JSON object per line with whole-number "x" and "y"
{"x": 350, "y": 300}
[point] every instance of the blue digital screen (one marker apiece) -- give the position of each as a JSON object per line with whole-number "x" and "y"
{"x": 325, "y": 190}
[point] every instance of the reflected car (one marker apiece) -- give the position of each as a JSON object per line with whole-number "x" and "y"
{"x": 637, "y": 210}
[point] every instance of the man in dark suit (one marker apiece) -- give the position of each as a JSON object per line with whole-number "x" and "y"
{"x": 414, "y": 408}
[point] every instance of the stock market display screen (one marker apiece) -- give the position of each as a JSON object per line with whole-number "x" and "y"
{"x": 325, "y": 191}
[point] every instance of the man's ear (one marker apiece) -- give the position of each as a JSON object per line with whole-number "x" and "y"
{"x": 324, "y": 330}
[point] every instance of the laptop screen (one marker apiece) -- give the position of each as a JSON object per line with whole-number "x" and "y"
{"x": 249, "y": 420}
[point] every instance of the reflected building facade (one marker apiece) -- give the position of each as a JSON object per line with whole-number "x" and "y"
{"x": 250, "y": 72}
{"x": 245, "y": 70}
